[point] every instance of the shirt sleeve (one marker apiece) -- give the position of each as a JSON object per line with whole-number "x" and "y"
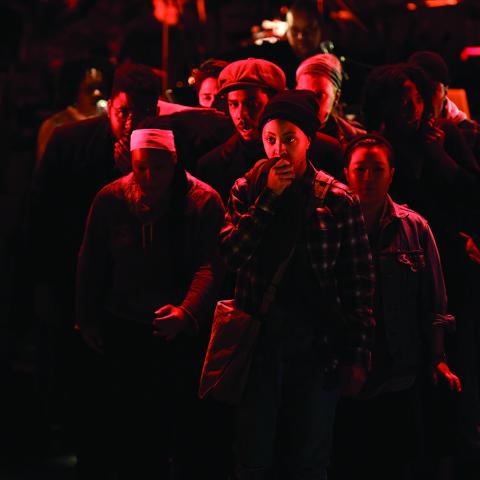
{"x": 245, "y": 223}
{"x": 94, "y": 265}
{"x": 356, "y": 281}
{"x": 202, "y": 293}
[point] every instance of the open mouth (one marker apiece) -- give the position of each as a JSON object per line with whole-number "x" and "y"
{"x": 246, "y": 130}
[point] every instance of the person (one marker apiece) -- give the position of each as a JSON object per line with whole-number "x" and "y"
{"x": 205, "y": 81}
{"x": 319, "y": 326}
{"x": 322, "y": 74}
{"x": 434, "y": 162}
{"x": 303, "y": 38}
{"x": 248, "y": 85}
{"x": 304, "y": 29}
{"x": 438, "y": 176}
{"x": 79, "y": 160}
{"x": 148, "y": 269}
{"x": 88, "y": 88}
{"x": 467, "y": 334}
{"x": 443, "y": 107}
{"x": 411, "y": 321}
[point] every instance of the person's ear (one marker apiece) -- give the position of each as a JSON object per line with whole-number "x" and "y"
{"x": 337, "y": 97}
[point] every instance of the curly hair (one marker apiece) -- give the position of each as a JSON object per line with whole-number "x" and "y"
{"x": 210, "y": 68}
{"x": 138, "y": 81}
{"x": 383, "y": 92}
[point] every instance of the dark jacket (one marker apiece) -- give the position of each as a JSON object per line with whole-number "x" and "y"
{"x": 129, "y": 270}
{"x": 77, "y": 163}
{"x": 411, "y": 299}
{"x": 340, "y": 129}
{"x": 221, "y": 167}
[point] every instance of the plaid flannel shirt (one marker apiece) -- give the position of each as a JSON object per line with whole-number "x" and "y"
{"x": 337, "y": 243}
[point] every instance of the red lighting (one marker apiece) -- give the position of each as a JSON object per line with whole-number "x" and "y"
{"x": 469, "y": 52}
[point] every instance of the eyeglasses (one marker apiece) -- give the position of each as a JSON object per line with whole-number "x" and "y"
{"x": 122, "y": 113}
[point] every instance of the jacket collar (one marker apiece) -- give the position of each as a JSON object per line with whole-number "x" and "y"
{"x": 391, "y": 211}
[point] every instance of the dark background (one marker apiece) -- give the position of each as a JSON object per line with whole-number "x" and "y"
{"x": 38, "y": 36}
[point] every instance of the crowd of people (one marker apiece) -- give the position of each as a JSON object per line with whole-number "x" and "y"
{"x": 367, "y": 358}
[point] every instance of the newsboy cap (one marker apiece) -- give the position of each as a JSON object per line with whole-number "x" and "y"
{"x": 252, "y": 72}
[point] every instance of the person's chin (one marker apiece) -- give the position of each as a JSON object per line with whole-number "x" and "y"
{"x": 248, "y": 135}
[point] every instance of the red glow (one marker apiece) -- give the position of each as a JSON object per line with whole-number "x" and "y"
{"x": 469, "y": 52}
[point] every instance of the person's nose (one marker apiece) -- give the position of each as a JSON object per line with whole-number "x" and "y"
{"x": 148, "y": 176}
{"x": 129, "y": 122}
{"x": 279, "y": 148}
{"x": 369, "y": 175}
{"x": 242, "y": 112}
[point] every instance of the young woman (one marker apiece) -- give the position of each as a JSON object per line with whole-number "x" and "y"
{"x": 318, "y": 327}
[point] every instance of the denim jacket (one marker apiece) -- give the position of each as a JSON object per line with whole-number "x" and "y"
{"x": 411, "y": 284}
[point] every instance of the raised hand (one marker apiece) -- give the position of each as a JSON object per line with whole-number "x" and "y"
{"x": 280, "y": 176}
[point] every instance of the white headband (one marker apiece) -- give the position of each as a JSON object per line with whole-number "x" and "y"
{"x": 152, "y": 138}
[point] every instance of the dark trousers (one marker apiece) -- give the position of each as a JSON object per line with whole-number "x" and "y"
{"x": 155, "y": 415}
{"x": 285, "y": 419}
{"x": 378, "y": 438}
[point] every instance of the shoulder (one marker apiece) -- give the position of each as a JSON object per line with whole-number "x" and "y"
{"x": 410, "y": 216}
{"x": 201, "y": 195}
{"x": 217, "y": 155}
{"x": 82, "y": 128}
{"x": 338, "y": 193}
{"x": 348, "y": 129}
{"x": 113, "y": 193}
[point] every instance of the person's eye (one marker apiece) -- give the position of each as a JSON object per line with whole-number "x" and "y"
{"x": 270, "y": 140}
{"x": 290, "y": 139}
{"x": 232, "y": 104}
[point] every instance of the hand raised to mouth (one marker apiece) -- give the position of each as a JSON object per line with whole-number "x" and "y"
{"x": 281, "y": 175}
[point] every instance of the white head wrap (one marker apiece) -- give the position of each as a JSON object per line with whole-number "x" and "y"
{"x": 152, "y": 138}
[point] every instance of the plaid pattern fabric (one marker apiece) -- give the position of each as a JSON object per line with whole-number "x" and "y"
{"x": 337, "y": 243}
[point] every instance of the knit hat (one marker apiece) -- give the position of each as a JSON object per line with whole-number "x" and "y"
{"x": 299, "y": 107}
{"x": 324, "y": 64}
{"x": 252, "y": 72}
{"x": 432, "y": 64}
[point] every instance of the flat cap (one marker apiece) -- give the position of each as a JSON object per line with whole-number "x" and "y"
{"x": 252, "y": 72}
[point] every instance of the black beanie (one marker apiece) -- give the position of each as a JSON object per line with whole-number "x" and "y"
{"x": 433, "y": 64}
{"x": 299, "y": 107}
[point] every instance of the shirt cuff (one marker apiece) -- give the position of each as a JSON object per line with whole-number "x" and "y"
{"x": 267, "y": 200}
{"x": 192, "y": 323}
